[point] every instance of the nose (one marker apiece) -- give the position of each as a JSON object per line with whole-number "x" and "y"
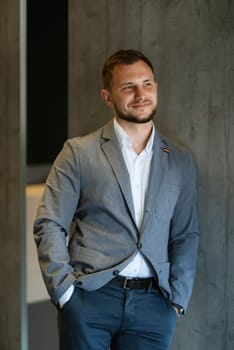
{"x": 139, "y": 93}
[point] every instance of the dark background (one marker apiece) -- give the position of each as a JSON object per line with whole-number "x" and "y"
{"x": 47, "y": 79}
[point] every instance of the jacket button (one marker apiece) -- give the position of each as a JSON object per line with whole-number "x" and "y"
{"x": 79, "y": 283}
{"x": 139, "y": 245}
{"x": 116, "y": 272}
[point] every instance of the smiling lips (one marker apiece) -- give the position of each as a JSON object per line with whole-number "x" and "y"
{"x": 141, "y": 104}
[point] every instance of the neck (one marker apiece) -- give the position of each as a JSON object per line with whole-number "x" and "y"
{"x": 138, "y": 133}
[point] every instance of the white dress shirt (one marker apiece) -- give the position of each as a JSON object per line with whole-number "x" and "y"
{"x": 138, "y": 166}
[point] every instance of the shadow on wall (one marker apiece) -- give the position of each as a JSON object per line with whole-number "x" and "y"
{"x": 42, "y": 326}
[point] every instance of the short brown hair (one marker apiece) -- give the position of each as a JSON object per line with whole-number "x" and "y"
{"x": 121, "y": 57}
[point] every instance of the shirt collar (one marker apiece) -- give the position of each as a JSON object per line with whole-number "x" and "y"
{"x": 125, "y": 140}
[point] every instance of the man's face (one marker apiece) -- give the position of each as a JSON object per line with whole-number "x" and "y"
{"x": 133, "y": 94}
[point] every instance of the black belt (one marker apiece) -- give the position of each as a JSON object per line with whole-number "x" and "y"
{"x": 135, "y": 283}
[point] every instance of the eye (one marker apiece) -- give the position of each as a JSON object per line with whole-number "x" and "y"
{"x": 148, "y": 84}
{"x": 127, "y": 87}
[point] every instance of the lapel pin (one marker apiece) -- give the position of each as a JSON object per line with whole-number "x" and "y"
{"x": 166, "y": 150}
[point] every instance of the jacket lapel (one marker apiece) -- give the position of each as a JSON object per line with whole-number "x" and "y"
{"x": 159, "y": 165}
{"x": 111, "y": 148}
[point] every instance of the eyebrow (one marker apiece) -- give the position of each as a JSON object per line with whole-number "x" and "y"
{"x": 132, "y": 83}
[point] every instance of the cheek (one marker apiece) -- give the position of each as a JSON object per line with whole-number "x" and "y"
{"x": 155, "y": 96}
{"x": 154, "y": 99}
{"x": 123, "y": 103}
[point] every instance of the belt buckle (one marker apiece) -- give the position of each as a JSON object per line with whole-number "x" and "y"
{"x": 125, "y": 283}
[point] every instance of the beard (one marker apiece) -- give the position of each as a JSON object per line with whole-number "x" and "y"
{"x": 134, "y": 118}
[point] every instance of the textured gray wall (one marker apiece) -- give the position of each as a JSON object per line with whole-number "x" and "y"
{"x": 191, "y": 44}
{"x": 12, "y": 309}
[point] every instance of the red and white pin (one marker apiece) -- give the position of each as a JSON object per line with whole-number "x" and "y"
{"x": 166, "y": 150}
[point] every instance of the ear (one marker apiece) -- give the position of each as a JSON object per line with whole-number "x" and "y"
{"x": 106, "y": 97}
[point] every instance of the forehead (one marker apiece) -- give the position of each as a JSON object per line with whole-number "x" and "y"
{"x": 123, "y": 73}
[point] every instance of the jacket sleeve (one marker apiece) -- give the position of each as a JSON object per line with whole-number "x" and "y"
{"x": 184, "y": 237}
{"x": 54, "y": 216}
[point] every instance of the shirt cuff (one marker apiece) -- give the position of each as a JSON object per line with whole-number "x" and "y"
{"x": 66, "y": 296}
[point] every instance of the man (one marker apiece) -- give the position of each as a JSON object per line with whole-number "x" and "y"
{"x": 128, "y": 270}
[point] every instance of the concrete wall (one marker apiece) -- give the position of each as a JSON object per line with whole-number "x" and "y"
{"x": 191, "y": 44}
{"x": 12, "y": 116}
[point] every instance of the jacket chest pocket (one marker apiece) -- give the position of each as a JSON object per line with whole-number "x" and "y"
{"x": 166, "y": 201}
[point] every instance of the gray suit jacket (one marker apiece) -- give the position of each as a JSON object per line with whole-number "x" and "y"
{"x": 89, "y": 185}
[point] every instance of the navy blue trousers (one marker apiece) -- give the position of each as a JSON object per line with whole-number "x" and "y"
{"x": 118, "y": 319}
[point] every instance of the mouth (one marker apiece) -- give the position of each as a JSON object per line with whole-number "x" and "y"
{"x": 141, "y": 105}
